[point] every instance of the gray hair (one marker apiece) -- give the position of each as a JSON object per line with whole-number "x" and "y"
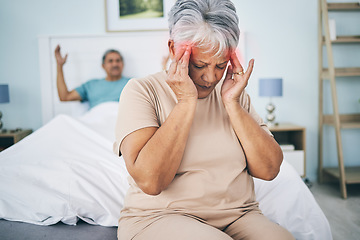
{"x": 111, "y": 51}
{"x": 211, "y": 24}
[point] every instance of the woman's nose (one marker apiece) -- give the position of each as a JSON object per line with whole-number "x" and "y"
{"x": 209, "y": 79}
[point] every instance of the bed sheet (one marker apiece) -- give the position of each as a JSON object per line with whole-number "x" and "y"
{"x": 62, "y": 172}
{"x": 287, "y": 201}
{"x": 66, "y": 170}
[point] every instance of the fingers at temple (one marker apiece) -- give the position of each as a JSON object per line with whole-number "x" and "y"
{"x": 237, "y": 67}
{"x": 186, "y": 56}
{"x": 229, "y": 72}
{"x": 249, "y": 69}
{"x": 179, "y": 52}
{"x": 184, "y": 62}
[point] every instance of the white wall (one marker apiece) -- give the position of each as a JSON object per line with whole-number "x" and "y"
{"x": 281, "y": 36}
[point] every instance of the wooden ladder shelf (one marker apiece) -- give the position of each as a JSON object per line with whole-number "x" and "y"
{"x": 345, "y": 175}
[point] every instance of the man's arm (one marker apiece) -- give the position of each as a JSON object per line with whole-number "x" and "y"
{"x": 63, "y": 91}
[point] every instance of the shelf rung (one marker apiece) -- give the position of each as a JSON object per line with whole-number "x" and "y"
{"x": 346, "y": 120}
{"x": 343, "y": 6}
{"x": 342, "y": 72}
{"x": 352, "y": 174}
{"x": 345, "y": 39}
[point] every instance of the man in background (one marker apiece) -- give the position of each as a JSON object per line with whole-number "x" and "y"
{"x": 95, "y": 91}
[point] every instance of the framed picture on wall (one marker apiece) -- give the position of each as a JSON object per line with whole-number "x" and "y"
{"x": 137, "y": 15}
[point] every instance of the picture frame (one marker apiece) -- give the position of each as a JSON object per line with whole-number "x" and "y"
{"x": 137, "y": 15}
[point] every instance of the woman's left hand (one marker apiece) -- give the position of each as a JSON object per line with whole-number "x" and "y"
{"x": 236, "y": 80}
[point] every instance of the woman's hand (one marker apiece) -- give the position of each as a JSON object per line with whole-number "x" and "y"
{"x": 236, "y": 80}
{"x": 178, "y": 78}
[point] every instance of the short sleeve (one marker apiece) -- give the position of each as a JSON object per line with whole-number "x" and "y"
{"x": 245, "y": 102}
{"x": 81, "y": 90}
{"x": 136, "y": 110}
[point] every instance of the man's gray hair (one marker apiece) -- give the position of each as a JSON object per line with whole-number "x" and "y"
{"x": 111, "y": 51}
{"x": 212, "y": 24}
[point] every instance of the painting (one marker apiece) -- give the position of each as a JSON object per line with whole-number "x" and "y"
{"x": 137, "y": 15}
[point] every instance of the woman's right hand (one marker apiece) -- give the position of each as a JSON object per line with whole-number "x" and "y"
{"x": 178, "y": 76}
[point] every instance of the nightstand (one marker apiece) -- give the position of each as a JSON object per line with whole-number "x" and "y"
{"x": 11, "y": 137}
{"x": 292, "y": 140}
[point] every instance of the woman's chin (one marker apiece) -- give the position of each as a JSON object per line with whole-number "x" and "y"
{"x": 204, "y": 93}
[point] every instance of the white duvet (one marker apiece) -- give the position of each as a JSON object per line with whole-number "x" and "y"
{"x": 66, "y": 170}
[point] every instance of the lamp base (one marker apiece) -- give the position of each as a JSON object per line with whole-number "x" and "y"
{"x": 270, "y": 116}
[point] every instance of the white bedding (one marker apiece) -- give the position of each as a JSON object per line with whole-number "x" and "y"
{"x": 66, "y": 170}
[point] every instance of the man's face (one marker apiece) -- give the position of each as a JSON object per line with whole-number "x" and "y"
{"x": 113, "y": 66}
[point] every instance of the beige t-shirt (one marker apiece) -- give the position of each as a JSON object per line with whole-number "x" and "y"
{"x": 212, "y": 180}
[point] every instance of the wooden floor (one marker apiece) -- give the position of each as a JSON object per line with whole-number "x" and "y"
{"x": 342, "y": 214}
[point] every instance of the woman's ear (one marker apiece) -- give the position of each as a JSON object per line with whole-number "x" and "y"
{"x": 171, "y": 46}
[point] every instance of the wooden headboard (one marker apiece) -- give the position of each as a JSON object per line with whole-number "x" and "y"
{"x": 142, "y": 52}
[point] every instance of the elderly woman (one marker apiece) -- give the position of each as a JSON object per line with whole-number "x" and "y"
{"x": 191, "y": 139}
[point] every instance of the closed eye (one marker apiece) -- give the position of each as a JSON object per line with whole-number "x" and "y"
{"x": 220, "y": 67}
{"x": 198, "y": 67}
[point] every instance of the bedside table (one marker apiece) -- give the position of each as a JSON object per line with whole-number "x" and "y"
{"x": 11, "y": 137}
{"x": 287, "y": 134}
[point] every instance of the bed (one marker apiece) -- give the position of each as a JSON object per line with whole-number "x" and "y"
{"x": 64, "y": 182}
{"x": 66, "y": 171}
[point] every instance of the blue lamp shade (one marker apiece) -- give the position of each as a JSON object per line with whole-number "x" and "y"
{"x": 4, "y": 93}
{"x": 270, "y": 87}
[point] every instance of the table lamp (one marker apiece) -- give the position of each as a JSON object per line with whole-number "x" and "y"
{"x": 270, "y": 87}
{"x": 4, "y": 98}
